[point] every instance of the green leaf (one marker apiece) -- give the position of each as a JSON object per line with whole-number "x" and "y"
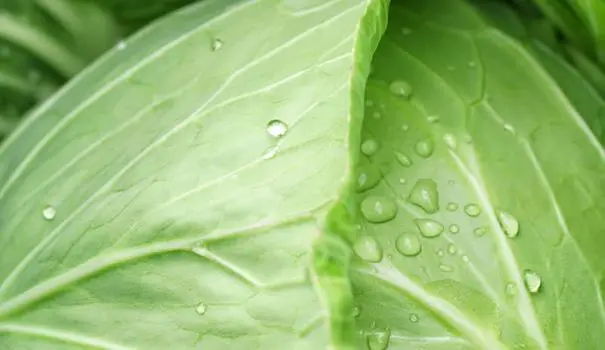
{"x": 147, "y": 206}
{"x": 498, "y": 237}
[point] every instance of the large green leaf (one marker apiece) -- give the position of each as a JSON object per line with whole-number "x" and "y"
{"x": 480, "y": 194}
{"x": 146, "y": 206}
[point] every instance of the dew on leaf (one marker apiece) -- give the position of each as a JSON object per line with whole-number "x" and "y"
{"x": 378, "y": 209}
{"x": 480, "y": 231}
{"x": 425, "y": 195}
{"x": 433, "y": 119}
{"x": 405, "y": 127}
{"x": 465, "y": 258}
{"x": 429, "y": 228}
{"x": 369, "y": 147}
{"x": 510, "y": 289}
{"x": 403, "y": 159}
{"x": 533, "y": 281}
{"x": 368, "y": 178}
{"x": 401, "y": 88}
{"x": 376, "y": 115}
{"x": 402, "y": 180}
{"x": 379, "y": 339}
{"x": 369, "y": 103}
{"x": 454, "y": 228}
{"x": 356, "y": 311}
{"x": 277, "y": 128}
{"x": 509, "y": 128}
{"x": 201, "y": 308}
{"x": 368, "y": 249}
{"x": 451, "y": 206}
{"x": 509, "y": 224}
{"x": 440, "y": 253}
{"x": 450, "y": 140}
{"x": 216, "y": 45}
{"x": 49, "y": 213}
{"x": 472, "y": 210}
{"x": 425, "y": 148}
{"x": 408, "y": 244}
{"x": 121, "y": 45}
{"x": 445, "y": 268}
{"x": 414, "y": 318}
{"x": 451, "y": 248}
{"x": 472, "y": 64}
{"x": 270, "y": 152}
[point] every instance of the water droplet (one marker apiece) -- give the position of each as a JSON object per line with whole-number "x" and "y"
{"x": 510, "y": 289}
{"x": 440, "y": 253}
{"x": 425, "y": 148}
{"x": 403, "y": 159}
{"x": 368, "y": 178}
{"x": 509, "y": 224}
{"x": 509, "y": 128}
{"x": 451, "y": 68}
{"x": 378, "y": 209}
{"x": 276, "y": 128}
{"x": 379, "y": 339}
{"x": 49, "y": 213}
{"x": 454, "y": 228}
{"x": 406, "y": 31}
{"x": 480, "y": 231}
{"x": 408, "y": 244}
{"x": 433, "y": 119}
{"x": 270, "y": 152}
{"x": 414, "y": 318}
{"x": 445, "y": 268}
{"x": 472, "y": 64}
{"x": 121, "y": 45}
{"x": 201, "y": 308}
{"x": 450, "y": 140}
{"x": 376, "y": 115}
{"x": 217, "y": 44}
{"x": 369, "y": 103}
{"x": 405, "y": 127}
{"x": 452, "y": 249}
{"x": 368, "y": 249}
{"x": 465, "y": 258}
{"x": 401, "y": 88}
{"x": 356, "y": 311}
{"x": 533, "y": 281}
{"x": 472, "y": 210}
{"x": 369, "y": 147}
{"x": 425, "y": 195}
{"x": 402, "y": 180}
{"x": 451, "y": 206}
{"x": 429, "y": 228}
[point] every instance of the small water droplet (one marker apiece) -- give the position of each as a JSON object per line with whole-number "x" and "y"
{"x": 433, "y": 119}
{"x": 472, "y": 210}
{"x": 378, "y": 209}
{"x": 465, "y": 258}
{"x": 452, "y": 249}
{"x": 451, "y": 68}
{"x": 450, "y": 140}
{"x": 369, "y": 147}
{"x": 121, "y": 45}
{"x": 277, "y": 128}
{"x": 217, "y": 44}
{"x": 379, "y": 339}
{"x": 510, "y": 289}
{"x": 440, "y": 253}
{"x": 414, "y": 318}
{"x": 454, "y": 228}
{"x": 376, "y": 115}
{"x": 408, "y": 244}
{"x": 369, "y": 103}
{"x": 480, "y": 231}
{"x": 425, "y": 195}
{"x": 509, "y": 128}
{"x": 401, "y": 88}
{"x": 368, "y": 249}
{"x": 49, "y": 213}
{"x": 405, "y": 127}
{"x": 533, "y": 281}
{"x": 451, "y": 206}
{"x": 509, "y": 224}
{"x": 472, "y": 64}
{"x": 201, "y": 308}
{"x": 403, "y": 159}
{"x": 402, "y": 180}
{"x": 425, "y": 148}
{"x": 406, "y": 31}
{"x": 429, "y": 228}
{"x": 445, "y": 268}
{"x": 356, "y": 311}
{"x": 270, "y": 152}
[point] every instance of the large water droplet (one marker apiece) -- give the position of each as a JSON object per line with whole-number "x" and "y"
{"x": 408, "y": 244}
{"x": 378, "y": 209}
{"x": 201, "y": 308}
{"x": 532, "y": 280}
{"x": 472, "y": 210}
{"x": 509, "y": 224}
{"x": 277, "y": 128}
{"x": 216, "y": 45}
{"x": 425, "y": 195}
{"x": 49, "y": 213}
{"x": 403, "y": 159}
{"x": 401, "y": 88}
{"x": 368, "y": 249}
{"x": 414, "y": 318}
{"x": 379, "y": 339}
{"x": 425, "y": 148}
{"x": 429, "y": 228}
{"x": 454, "y": 228}
{"x": 369, "y": 147}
